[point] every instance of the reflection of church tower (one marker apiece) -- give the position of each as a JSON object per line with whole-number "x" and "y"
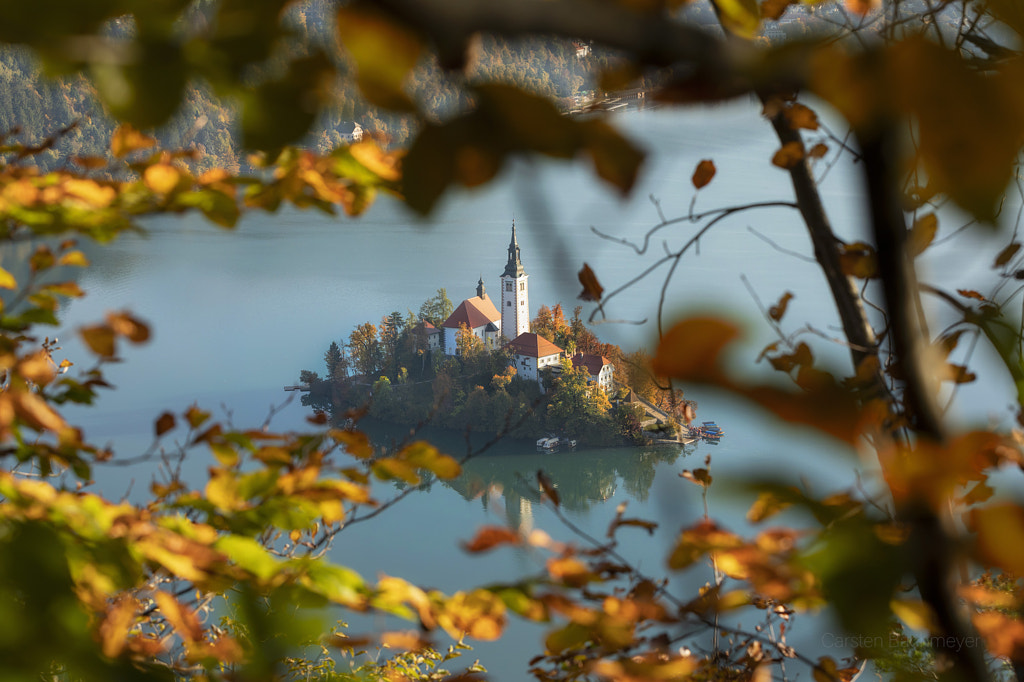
{"x": 515, "y": 301}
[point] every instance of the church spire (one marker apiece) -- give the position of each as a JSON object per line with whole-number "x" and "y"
{"x": 480, "y": 287}
{"x": 514, "y": 267}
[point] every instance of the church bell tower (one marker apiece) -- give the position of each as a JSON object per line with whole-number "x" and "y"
{"x": 515, "y": 300}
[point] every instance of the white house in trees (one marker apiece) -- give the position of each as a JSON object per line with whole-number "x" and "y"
{"x": 532, "y": 353}
{"x": 600, "y": 370}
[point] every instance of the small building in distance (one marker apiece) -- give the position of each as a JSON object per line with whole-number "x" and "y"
{"x": 532, "y": 353}
{"x": 433, "y": 335}
{"x": 600, "y": 370}
{"x": 479, "y": 315}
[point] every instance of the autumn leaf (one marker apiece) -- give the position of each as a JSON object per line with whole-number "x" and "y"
{"x": 592, "y": 289}
{"x": 692, "y": 348}
{"x": 548, "y": 487}
{"x": 100, "y": 339}
{"x": 703, "y": 173}
{"x": 7, "y": 280}
{"x": 1006, "y": 255}
{"x": 789, "y": 155}
{"x": 127, "y": 139}
{"x": 922, "y": 233}
{"x": 489, "y": 537}
{"x": 774, "y": 9}
{"x": 778, "y": 311}
{"x": 125, "y": 324}
{"x": 801, "y": 116}
{"x": 162, "y": 178}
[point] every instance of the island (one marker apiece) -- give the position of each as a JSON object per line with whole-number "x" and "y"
{"x": 491, "y": 368}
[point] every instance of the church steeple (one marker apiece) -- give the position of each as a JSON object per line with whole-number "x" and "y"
{"x": 515, "y": 297}
{"x": 480, "y": 287}
{"x": 514, "y": 267}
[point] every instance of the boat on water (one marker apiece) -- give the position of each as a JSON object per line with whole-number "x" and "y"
{"x": 553, "y": 443}
{"x": 709, "y": 432}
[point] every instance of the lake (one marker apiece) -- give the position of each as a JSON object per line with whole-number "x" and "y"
{"x": 236, "y": 315}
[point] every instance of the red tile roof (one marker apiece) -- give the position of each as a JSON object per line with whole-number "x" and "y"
{"x": 532, "y": 345}
{"x": 593, "y": 363}
{"x": 473, "y": 312}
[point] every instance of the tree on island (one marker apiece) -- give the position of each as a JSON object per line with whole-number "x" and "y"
{"x": 114, "y": 590}
{"x": 437, "y": 308}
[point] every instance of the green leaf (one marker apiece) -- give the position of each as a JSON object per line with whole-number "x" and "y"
{"x": 249, "y": 555}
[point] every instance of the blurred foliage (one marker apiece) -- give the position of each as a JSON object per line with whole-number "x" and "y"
{"x": 231, "y": 581}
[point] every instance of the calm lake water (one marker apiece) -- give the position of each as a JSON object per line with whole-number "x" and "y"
{"x": 236, "y": 315}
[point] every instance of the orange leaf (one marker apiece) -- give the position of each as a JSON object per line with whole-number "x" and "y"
{"x": 777, "y": 311}
{"x": 182, "y": 618}
{"x": 490, "y": 537}
{"x": 774, "y": 9}
{"x": 124, "y": 324}
{"x": 971, "y": 293}
{"x": 791, "y": 154}
{"x": 127, "y": 139}
{"x": 703, "y": 174}
{"x": 116, "y": 624}
{"x": 592, "y": 289}
{"x": 800, "y": 116}
{"x": 818, "y": 151}
{"x": 862, "y": 7}
{"x": 691, "y": 348}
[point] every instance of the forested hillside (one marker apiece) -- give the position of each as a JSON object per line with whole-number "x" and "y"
{"x": 34, "y": 109}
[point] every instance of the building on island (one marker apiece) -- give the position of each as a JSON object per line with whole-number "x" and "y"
{"x": 515, "y": 293}
{"x": 433, "y": 335}
{"x": 532, "y": 353}
{"x": 600, "y": 370}
{"x": 511, "y": 327}
{"x": 479, "y": 315}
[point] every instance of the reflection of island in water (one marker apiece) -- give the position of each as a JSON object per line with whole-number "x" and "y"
{"x": 508, "y": 469}
{"x": 583, "y": 478}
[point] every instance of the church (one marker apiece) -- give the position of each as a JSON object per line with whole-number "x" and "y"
{"x": 508, "y": 325}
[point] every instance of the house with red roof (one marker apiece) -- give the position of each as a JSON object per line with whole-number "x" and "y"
{"x": 531, "y": 353}
{"x": 600, "y": 370}
{"x": 479, "y": 315}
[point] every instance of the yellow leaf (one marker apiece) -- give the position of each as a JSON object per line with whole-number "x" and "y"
{"x": 7, "y": 280}
{"x": 162, "y": 178}
{"x": 74, "y": 258}
{"x": 90, "y": 191}
{"x": 742, "y": 17}
{"x": 915, "y": 613}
